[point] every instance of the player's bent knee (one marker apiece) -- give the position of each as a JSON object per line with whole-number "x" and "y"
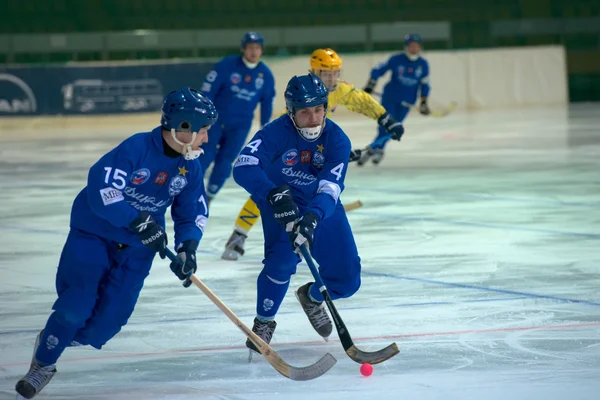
{"x": 74, "y": 307}
{"x": 344, "y": 289}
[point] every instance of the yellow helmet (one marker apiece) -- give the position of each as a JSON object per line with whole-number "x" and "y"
{"x": 325, "y": 60}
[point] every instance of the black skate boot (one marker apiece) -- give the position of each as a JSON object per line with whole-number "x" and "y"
{"x": 264, "y": 330}
{"x": 315, "y": 312}
{"x": 37, "y": 377}
{"x": 234, "y": 248}
{"x": 377, "y": 156}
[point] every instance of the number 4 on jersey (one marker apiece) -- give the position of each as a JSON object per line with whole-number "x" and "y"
{"x": 254, "y": 145}
{"x": 337, "y": 171}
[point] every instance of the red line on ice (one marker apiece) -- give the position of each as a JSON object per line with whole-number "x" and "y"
{"x": 408, "y": 335}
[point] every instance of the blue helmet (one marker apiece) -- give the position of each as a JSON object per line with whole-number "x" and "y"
{"x": 187, "y": 109}
{"x": 412, "y": 37}
{"x": 305, "y": 91}
{"x": 252, "y": 37}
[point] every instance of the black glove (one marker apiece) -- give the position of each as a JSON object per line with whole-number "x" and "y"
{"x": 370, "y": 86}
{"x": 187, "y": 266}
{"x": 285, "y": 209}
{"x": 355, "y": 155}
{"x": 152, "y": 235}
{"x": 304, "y": 231}
{"x": 387, "y": 122}
{"x": 423, "y": 107}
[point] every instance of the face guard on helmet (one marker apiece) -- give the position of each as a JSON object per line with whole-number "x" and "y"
{"x": 408, "y": 40}
{"x": 187, "y": 110}
{"x": 302, "y": 92}
{"x": 327, "y": 65}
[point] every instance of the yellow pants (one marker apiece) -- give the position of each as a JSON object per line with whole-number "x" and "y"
{"x": 248, "y": 217}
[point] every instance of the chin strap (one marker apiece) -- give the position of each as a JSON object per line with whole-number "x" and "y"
{"x": 188, "y": 153}
{"x": 312, "y": 133}
{"x": 413, "y": 57}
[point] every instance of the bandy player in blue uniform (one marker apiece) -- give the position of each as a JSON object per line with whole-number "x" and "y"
{"x": 409, "y": 76}
{"x": 236, "y": 85}
{"x": 118, "y": 226}
{"x": 294, "y": 168}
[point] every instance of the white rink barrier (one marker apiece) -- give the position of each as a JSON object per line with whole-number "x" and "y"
{"x": 475, "y": 79}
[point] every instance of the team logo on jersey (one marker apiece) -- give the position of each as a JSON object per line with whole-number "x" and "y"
{"x": 259, "y": 83}
{"x": 318, "y": 159}
{"x": 177, "y": 184}
{"x": 161, "y": 178}
{"x": 236, "y": 78}
{"x": 140, "y": 176}
{"x": 419, "y": 72}
{"x": 401, "y": 70}
{"x": 305, "y": 156}
{"x": 290, "y": 157}
{"x": 248, "y": 78}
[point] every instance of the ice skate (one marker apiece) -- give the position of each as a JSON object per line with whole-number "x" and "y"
{"x": 364, "y": 157}
{"x": 36, "y": 378}
{"x": 264, "y": 330}
{"x": 377, "y": 156}
{"x": 315, "y": 312}
{"x": 234, "y": 248}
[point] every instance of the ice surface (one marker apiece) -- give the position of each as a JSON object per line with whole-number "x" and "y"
{"x": 480, "y": 241}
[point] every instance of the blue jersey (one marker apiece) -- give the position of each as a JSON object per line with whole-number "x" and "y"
{"x": 236, "y": 90}
{"x": 278, "y": 155}
{"x": 137, "y": 176}
{"x": 407, "y": 77}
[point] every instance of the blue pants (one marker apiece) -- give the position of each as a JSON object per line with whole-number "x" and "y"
{"x": 397, "y": 111}
{"x": 98, "y": 285}
{"x": 225, "y": 141}
{"x": 334, "y": 250}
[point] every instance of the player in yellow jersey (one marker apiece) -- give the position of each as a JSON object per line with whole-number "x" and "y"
{"x": 327, "y": 65}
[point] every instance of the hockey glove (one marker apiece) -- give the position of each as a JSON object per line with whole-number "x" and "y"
{"x": 151, "y": 233}
{"x": 355, "y": 155}
{"x": 187, "y": 266}
{"x": 285, "y": 209}
{"x": 370, "y": 86}
{"x": 387, "y": 122}
{"x": 423, "y": 107}
{"x": 304, "y": 231}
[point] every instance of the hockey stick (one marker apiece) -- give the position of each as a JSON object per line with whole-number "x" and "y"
{"x": 435, "y": 114}
{"x": 294, "y": 373}
{"x": 353, "y": 352}
{"x": 353, "y": 206}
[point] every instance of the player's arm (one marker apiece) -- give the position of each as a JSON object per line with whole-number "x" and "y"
{"x": 107, "y": 179}
{"x": 376, "y": 73}
{"x": 248, "y": 169}
{"x": 248, "y": 172}
{"x": 267, "y": 100}
{"x": 214, "y": 80}
{"x": 361, "y": 102}
{"x": 331, "y": 180}
{"x": 425, "y": 88}
{"x": 190, "y": 212}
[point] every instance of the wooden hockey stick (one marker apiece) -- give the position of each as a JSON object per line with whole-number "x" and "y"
{"x": 353, "y": 206}
{"x": 294, "y": 373}
{"x": 353, "y": 352}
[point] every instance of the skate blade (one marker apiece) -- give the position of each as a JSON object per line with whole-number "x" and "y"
{"x": 325, "y": 338}
{"x": 230, "y": 255}
{"x": 250, "y": 355}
